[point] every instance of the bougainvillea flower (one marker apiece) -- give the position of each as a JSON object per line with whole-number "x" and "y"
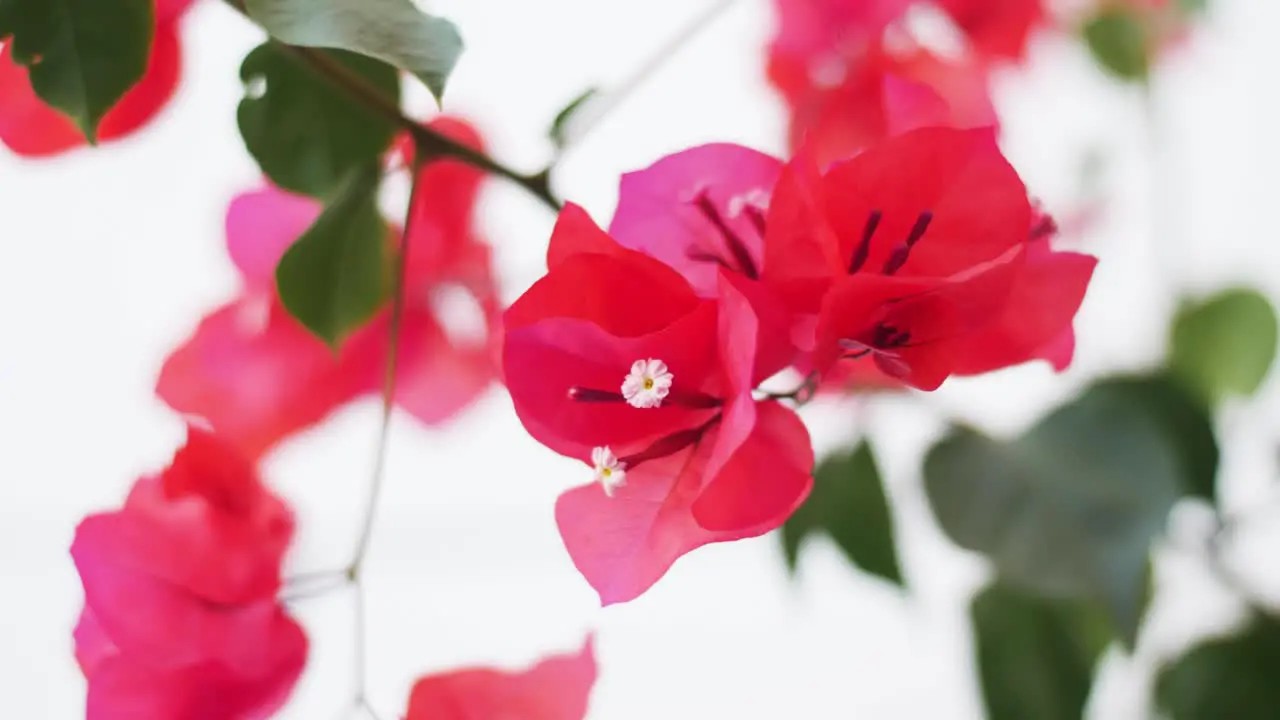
{"x": 805, "y": 26}
{"x": 30, "y": 128}
{"x": 181, "y": 618}
{"x": 558, "y": 688}
{"x": 1036, "y": 321}
{"x": 844, "y": 99}
{"x": 699, "y": 210}
{"x": 922, "y": 256}
{"x": 258, "y": 376}
{"x": 998, "y": 29}
{"x": 695, "y": 460}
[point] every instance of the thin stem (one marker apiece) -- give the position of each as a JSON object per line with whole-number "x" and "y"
{"x": 802, "y": 394}
{"x": 389, "y": 378}
{"x": 600, "y": 107}
{"x": 360, "y": 651}
{"x": 380, "y": 454}
{"x": 427, "y": 140}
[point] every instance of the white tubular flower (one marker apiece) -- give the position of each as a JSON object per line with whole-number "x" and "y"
{"x": 648, "y": 383}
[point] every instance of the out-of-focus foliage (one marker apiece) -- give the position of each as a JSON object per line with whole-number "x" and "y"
{"x": 849, "y": 504}
{"x": 83, "y": 55}
{"x": 305, "y": 134}
{"x": 335, "y": 277}
{"x": 1035, "y": 656}
{"x": 1224, "y": 345}
{"x": 1070, "y": 508}
{"x": 1118, "y": 42}
{"x": 1226, "y": 678}
{"x": 393, "y": 31}
{"x": 559, "y": 131}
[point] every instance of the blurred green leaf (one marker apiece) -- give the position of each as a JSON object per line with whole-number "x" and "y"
{"x": 83, "y": 55}
{"x": 1193, "y": 7}
{"x": 1231, "y": 678}
{"x": 1224, "y": 345}
{"x": 1186, "y": 423}
{"x": 560, "y": 126}
{"x": 1069, "y": 510}
{"x": 334, "y": 278}
{"x": 306, "y": 135}
{"x": 1036, "y": 657}
{"x": 393, "y": 31}
{"x": 1118, "y": 42}
{"x": 849, "y": 504}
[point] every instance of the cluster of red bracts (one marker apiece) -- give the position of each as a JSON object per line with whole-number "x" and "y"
{"x": 642, "y": 350}
{"x": 182, "y": 619}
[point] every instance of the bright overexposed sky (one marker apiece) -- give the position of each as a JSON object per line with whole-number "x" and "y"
{"x": 109, "y": 257}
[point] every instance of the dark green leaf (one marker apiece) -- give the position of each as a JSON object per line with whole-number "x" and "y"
{"x": 306, "y": 135}
{"x": 1224, "y": 345}
{"x": 393, "y": 31}
{"x": 1185, "y": 421}
{"x": 559, "y": 126}
{"x": 334, "y": 278}
{"x": 849, "y": 504}
{"x": 83, "y": 54}
{"x": 1035, "y": 656}
{"x": 1226, "y": 678}
{"x": 1119, "y": 43}
{"x": 1069, "y": 509}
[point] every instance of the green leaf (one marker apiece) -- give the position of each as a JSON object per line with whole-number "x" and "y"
{"x": 559, "y": 127}
{"x": 1036, "y": 657}
{"x": 334, "y": 278}
{"x": 849, "y": 504}
{"x": 1224, "y": 345}
{"x": 1118, "y": 42}
{"x": 306, "y": 135}
{"x": 1068, "y": 510}
{"x": 1193, "y": 7}
{"x": 83, "y": 55}
{"x": 1185, "y": 421}
{"x": 1232, "y": 677}
{"x": 393, "y": 31}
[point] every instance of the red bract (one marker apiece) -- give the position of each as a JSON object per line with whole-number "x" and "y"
{"x": 181, "y": 618}
{"x": 998, "y": 29}
{"x": 558, "y": 688}
{"x": 845, "y": 96}
{"x": 258, "y": 376}
{"x": 922, "y": 256}
{"x": 30, "y": 128}
{"x": 612, "y": 358}
{"x": 699, "y": 210}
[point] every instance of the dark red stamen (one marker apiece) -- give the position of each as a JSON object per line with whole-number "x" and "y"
{"x": 670, "y": 445}
{"x": 899, "y": 256}
{"x": 694, "y": 400}
{"x": 737, "y": 248}
{"x": 861, "y": 252}
{"x": 1043, "y": 229}
{"x": 581, "y": 394}
{"x": 756, "y": 217}
{"x": 882, "y": 337}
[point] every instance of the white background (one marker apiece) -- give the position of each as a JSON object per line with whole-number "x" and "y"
{"x": 108, "y": 259}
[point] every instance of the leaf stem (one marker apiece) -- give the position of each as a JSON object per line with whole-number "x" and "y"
{"x": 428, "y": 141}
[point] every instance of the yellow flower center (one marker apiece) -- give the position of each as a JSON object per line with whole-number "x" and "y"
{"x": 648, "y": 383}
{"x": 607, "y": 472}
